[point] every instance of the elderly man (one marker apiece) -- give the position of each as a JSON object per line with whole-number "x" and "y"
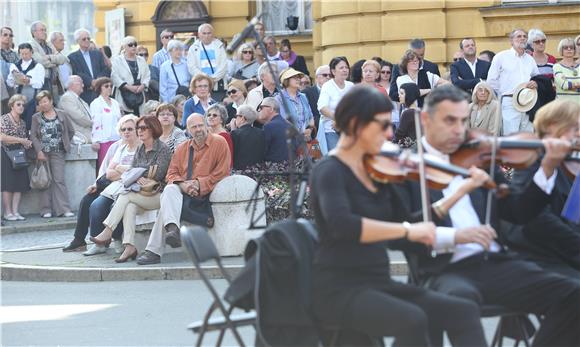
{"x": 88, "y": 64}
{"x": 208, "y": 55}
{"x": 274, "y": 53}
{"x": 44, "y": 53}
{"x": 312, "y": 93}
{"x": 468, "y": 71}
{"x": 77, "y": 108}
{"x": 195, "y": 169}
{"x": 249, "y": 142}
{"x": 64, "y": 70}
{"x": 275, "y": 129}
{"x": 418, "y": 46}
{"x": 509, "y": 69}
{"x": 162, "y": 55}
{"x": 9, "y": 56}
{"x": 266, "y": 88}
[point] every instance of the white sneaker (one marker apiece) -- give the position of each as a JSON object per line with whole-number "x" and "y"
{"x": 68, "y": 214}
{"x": 19, "y": 216}
{"x": 10, "y": 217}
{"x": 95, "y": 249}
{"x": 118, "y": 246}
{"x": 47, "y": 215}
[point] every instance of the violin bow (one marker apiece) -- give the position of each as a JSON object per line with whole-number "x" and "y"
{"x": 491, "y": 192}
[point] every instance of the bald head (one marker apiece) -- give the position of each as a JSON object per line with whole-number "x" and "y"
{"x": 197, "y": 128}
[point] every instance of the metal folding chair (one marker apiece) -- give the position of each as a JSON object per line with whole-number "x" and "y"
{"x": 202, "y": 249}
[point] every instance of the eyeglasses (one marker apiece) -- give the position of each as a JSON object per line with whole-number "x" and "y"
{"x": 145, "y": 55}
{"x": 568, "y": 47}
{"x": 8, "y": 35}
{"x": 537, "y": 42}
{"x": 386, "y": 72}
{"x": 247, "y": 52}
{"x": 132, "y": 44}
{"x": 385, "y": 124}
{"x": 212, "y": 115}
{"x": 325, "y": 75}
{"x": 263, "y": 106}
{"x": 127, "y": 129}
{"x": 85, "y": 39}
{"x": 170, "y": 37}
{"x": 233, "y": 91}
{"x": 142, "y": 127}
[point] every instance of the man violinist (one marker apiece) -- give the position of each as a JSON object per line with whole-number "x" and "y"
{"x": 471, "y": 261}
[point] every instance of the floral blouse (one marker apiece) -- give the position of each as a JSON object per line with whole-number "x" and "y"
{"x": 8, "y": 127}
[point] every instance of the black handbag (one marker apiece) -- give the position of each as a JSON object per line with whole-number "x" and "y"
{"x": 196, "y": 210}
{"x": 102, "y": 183}
{"x": 132, "y": 100}
{"x": 18, "y": 158}
{"x": 181, "y": 90}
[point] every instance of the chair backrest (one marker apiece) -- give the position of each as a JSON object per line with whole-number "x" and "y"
{"x": 198, "y": 243}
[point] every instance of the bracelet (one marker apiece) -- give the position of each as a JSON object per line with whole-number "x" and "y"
{"x": 407, "y": 227}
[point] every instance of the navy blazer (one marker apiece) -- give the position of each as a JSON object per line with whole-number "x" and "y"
{"x": 79, "y": 67}
{"x": 462, "y": 76}
{"x": 275, "y": 136}
{"x": 394, "y": 91}
{"x": 312, "y": 93}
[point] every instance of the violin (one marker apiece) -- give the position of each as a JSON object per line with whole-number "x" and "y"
{"x": 392, "y": 164}
{"x": 518, "y": 150}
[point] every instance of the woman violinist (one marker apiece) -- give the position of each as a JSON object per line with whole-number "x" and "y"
{"x": 352, "y": 286}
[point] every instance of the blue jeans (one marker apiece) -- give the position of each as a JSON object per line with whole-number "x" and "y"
{"x": 99, "y": 211}
{"x": 331, "y": 140}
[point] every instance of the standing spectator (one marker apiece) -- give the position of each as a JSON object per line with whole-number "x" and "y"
{"x": 150, "y": 153}
{"x": 273, "y": 54}
{"x": 300, "y": 113}
{"x": 195, "y": 169}
{"x": 172, "y": 136}
{"x": 152, "y": 90}
{"x": 386, "y": 71}
{"x": 266, "y": 88}
{"x": 200, "y": 87}
{"x": 261, "y": 30}
{"x": 457, "y": 56}
{"x": 294, "y": 60}
{"x": 468, "y": 71}
{"x": 371, "y": 72}
{"x": 26, "y": 77}
{"x": 245, "y": 65}
{"x": 13, "y": 135}
{"x": 173, "y": 72}
{"x": 77, "y": 108}
{"x": 509, "y": 69}
{"x": 312, "y": 93}
{"x": 249, "y": 142}
{"x": 484, "y": 111}
{"x": 208, "y": 55}
{"x": 44, "y": 53}
{"x": 486, "y": 55}
{"x": 162, "y": 55}
{"x": 106, "y": 113}
{"x": 275, "y": 131}
{"x": 216, "y": 117}
{"x": 179, "y": 102}
{"x": 237, "y": 93}
{"x": 567, "y": 72}
{"x": 356, "y": 71}
{"x": 57, "y": 40}
{"x": 88, "y": 64}
{"x": 330, "y": 95}
{"x": 410, "y": 72}
{"x": 544, "y": 61}
{"x": 405, "y": 134}
{"x": 51, "y": 134}
{"x": 417, "y": 46}
{"x": 8, "y": 56}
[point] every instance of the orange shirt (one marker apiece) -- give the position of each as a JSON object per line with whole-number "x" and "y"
{"x": 211, "y": 162}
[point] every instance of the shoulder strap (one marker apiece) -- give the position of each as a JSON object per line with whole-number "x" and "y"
{"x": 208, "y": 60}
{"x": 174, "y": 74}
{"x": 190, "y": 164}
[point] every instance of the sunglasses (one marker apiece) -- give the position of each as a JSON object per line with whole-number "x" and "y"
{"x": 233, "y": 91}
{"x": 143, "y": 54}
{"x": 132, "y": 44}
{"x": 85, "y": 39}
{"x": 212, "y": 115}
{"x": 247, "y": 52}
{"x": 18, "y": 104}
{"x": 325, "y": 75}
{"x": 456, "y": 59}
{"x": 537, "y": 42}
{"x": 167, "y": 37}
{"x": 386, "y": 72}
{"x": 142, "y": 127}
{"x": 127, "y": 129}
{"x": 568, "y": 47}
{"x": 384, "y": 124}
{"x": 8, "y": 35}
{"x": 263, "y": 106}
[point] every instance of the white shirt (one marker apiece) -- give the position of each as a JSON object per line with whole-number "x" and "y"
{"x": 471, "y": 66}
{"x": 508, "y": 70}
{"x": 330, "y": 95}
{"x": 431, "y": 77}
{"x": 105, "y": 120}
{"x": 463, "y": 215}
{"x": 36, "y": 74}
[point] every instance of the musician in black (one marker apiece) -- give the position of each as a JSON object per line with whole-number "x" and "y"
{"x": 549, "y": 239}
{"x": 472, "y": 262}
{"x": 352, "y": 286}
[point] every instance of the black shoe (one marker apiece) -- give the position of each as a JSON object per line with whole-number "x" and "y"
{"x": 76, "y": 245}
{"x": 148, "y": 258}
{"x": 173, "y": 239}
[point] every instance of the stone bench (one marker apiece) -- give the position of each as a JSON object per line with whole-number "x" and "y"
{"x": 230, "y": 232}
{"x": 80, "y": 172}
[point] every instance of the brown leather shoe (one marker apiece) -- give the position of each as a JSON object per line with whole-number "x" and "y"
{"x": 148, "y": 258}
{"x": 76, "y": 245}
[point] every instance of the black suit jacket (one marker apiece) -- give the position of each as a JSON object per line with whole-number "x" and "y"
{"x": 79, "y": 67}
{"x": 394, "y": 91}
{"x": 518, "y": 207}
{"x": 462, "y": 76}
{"x": 312, "y": 94}
{"x": 249, "y": 146}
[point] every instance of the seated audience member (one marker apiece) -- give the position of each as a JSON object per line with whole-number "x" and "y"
{"x": 96, "y": 205}
{"x": 567, "y": 72}
{"x": 173, "y": 73}
{"x": 550, "y": 239}
{"x": 195, "y": 169}
{"x": 249, "y": 142}
{"x": 237, "y": 92}
{"x": 78, "y": 110}
{"x": 154, "y": 156}
{"x": 544, "y": 61}
{"x": 483, "y": 110}
{"x": 245, "y": 65}
{"x": 150, "y": 108}
{"x": 468, "y": 71}
{"x": 172, "y": 136}
{"x": 179, "y": 101}
{"x": 200, "y": 87}
{"x": 106, "y": 113}
{"x": 152, "y": 91}
{"x": 275, "y": 130}
{"x": 215, "y": 119}
{"x": 251, "y": 84}
{"x": 295, "y": 61}
{"x": 405, "y": 134}
{"x": 305, "y": 82}
{"x": 266, "y": 88}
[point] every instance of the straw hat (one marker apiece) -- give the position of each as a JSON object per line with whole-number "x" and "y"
{"x": 289, "y": 72}
{"x": 524, "y": 98}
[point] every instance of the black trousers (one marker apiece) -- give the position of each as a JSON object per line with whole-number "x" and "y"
{"x": 93, "y": 215}
{"x": 501, "y": 279}
{"x": 414, "y": 319}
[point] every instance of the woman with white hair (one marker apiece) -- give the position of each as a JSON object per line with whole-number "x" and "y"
{"x": 245, "y": 65}
{"x": 567, "y": 72}
{"x": 545, "y": 61}
{"x": 174, "y": 77}
{"x": 130, "y": 74}
{"x": 266, "y": 88}
{"x": 483, "y": 110}
{"x": 249, "y": 142}
{"x": 216, "y": 117}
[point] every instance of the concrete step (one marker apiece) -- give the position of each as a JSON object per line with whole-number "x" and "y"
{"x": 36, "y": 223}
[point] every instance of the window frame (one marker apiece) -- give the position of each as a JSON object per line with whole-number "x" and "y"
{"x": 300, "y": 30}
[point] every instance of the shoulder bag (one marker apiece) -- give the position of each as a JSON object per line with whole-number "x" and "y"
{"x": 181, "y": 90}
{"x": 17, "y": 157}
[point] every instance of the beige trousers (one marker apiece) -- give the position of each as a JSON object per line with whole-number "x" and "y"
{"x": 126, "y": 208}
{"x": 170, "y": 212}
{"x": 55, "y": 197}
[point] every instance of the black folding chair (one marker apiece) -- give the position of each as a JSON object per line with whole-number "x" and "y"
{"x": 202, "y": 249}
{"x": 507, "y": 317}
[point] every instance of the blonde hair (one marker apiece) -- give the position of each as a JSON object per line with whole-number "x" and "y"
{"x": 126, "y": 118}
{"x": 372, "y": 63}
{"x": 566, "y": 42}
{"x": 560, "y": 114}
{"x": 14, "y": 98}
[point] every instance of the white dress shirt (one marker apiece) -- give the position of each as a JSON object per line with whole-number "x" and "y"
{"x": 509, "y": 69}
{"x": 463, "y": 215}
{"x": 36, "y": 75}
{"x": 471, "y": 65}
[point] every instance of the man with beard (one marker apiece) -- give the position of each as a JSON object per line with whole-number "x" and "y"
{"x": 195, "y": 169}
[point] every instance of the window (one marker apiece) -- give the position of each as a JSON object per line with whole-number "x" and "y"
{"x": 275, "y": 12}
